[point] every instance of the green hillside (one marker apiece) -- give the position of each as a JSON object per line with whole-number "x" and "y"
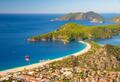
{"x": 72, "y": 31}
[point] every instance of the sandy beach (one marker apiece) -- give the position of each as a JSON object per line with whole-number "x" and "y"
{"x": 88, "y": 46}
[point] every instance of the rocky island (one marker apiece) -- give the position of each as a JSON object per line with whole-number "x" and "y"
{"x": 90, "y": 16}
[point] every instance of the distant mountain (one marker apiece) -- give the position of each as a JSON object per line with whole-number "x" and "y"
{"x": 90, "y": 16}
{"x": 116, "y": 19}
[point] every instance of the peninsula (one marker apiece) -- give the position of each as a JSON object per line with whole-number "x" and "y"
{"x": 72, "y": 31}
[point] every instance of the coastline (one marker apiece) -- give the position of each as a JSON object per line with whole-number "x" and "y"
{"x": 88, "y": 46}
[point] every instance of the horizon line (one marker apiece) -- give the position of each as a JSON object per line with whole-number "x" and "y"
{"x": 64, "y": 13}
{"x": 58, "y": 12}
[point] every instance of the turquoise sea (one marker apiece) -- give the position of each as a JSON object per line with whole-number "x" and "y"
{"x": 16, "y": 28}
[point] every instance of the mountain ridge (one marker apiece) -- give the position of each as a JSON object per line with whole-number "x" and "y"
{"x": 90, "y": 16}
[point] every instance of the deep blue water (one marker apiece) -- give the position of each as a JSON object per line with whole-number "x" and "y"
{"x": 15, "y": 29}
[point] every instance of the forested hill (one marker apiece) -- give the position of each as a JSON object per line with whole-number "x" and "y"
{"x": 72, "y": 31}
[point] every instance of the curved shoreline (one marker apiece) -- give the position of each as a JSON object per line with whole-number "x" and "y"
{"x": 88, "y": 46}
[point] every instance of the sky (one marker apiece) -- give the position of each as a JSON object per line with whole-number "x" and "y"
{"x": 59, "y": 6}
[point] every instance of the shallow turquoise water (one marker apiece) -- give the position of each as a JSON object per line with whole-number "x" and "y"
{"x": 115, "y": 40}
